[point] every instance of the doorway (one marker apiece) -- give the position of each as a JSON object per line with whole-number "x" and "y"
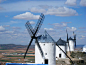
{"x": 59, "y": 55}
{"x": 46, "y": 61}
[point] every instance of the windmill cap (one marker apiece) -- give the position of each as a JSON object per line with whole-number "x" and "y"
{"x": 45, "y": 38}
{"x": 70, "y": 38}
{"x": 61, "y": 42}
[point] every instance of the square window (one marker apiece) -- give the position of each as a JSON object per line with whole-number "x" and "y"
{"x": 45, "y": 53}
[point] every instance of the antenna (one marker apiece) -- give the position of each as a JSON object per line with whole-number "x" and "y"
{"x": 33, "y": 33}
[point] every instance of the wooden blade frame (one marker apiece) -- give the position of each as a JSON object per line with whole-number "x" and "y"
{"x": 33, "y": 33}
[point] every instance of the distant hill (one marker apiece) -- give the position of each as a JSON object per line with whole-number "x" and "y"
{"x": 79, "y": 46}
{"x": 17, "y": 47}
{"x": 14, "y": 47}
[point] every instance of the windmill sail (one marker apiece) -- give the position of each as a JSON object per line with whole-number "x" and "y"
{"x": 74, "y": 38}
{"x": 33, "y": 33}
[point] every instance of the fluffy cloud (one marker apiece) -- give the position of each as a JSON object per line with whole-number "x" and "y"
{"x": 48, "y": 29}
{"x": 16, "y": 28}
{"x": 1, "y": 8}
{"x": 71, "y": 2}
{"x": 45, "y": 6}
{"x": 60, "y": 25}
{"x": 26, "y": 16}
{"x": 2, "y": 28}
{"x": 61, "y": 11}
{"x": 71, "y": 29}
{"x": 36, "y": 10}
{"x": 2, "y": 0}
{"x": 83, "y": 2}
{"x": 32, "y": 22}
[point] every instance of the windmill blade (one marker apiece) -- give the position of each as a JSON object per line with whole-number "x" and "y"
{"x": 39, "y": 23}
{"x": 67, "y": 35}
{"x": 75, "y": 43}
{"x": 65, "y": 54}
{"x": 29, "y": 28}
{"x": 39, "y": 48}
{"x": 74, "y": 38}
{"x": 28, "y": 48}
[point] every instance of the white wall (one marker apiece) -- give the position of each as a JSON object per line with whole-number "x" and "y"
{"x": 48, "y": 48}
{"x": 58, "y": 51}
{"x": 84, "y": 49}
{"x": 71, "y": 44}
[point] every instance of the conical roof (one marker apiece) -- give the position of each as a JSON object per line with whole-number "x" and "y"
{"x": 45, "y": 38}
{"x": 61, "y": 42}
{"x": 70, "y": 38}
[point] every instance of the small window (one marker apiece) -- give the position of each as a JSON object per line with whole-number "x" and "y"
{"x": 45, "y": 53}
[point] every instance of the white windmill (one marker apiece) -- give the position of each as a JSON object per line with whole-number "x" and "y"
{"x": 71, "y": 43}
{"x": 45, "y": 46}
{"x": 48, "y": 47}
{"x": 62, "y": 45}
{"x": 44, "y": 51}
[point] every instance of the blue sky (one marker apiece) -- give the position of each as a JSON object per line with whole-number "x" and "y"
{"x": 59, "y": 16}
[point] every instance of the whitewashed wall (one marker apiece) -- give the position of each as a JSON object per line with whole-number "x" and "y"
{"x": 58, "y": 51}
{"x": 50, "y": 49}
{"x": 71, "y": 44}
{"x": 84, "y": 49}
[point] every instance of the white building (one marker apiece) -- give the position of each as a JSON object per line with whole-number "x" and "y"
{"x": 62, "y": 45}
{"x": 71, "y": 44}
{"x": 84, "y": 48}
{"x": 48, "y": 47}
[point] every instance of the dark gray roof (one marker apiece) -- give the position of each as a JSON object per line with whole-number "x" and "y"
{"x": 70, "y": 38}
{"x": 61, "y": 42}
{"x": 45, "y": 38}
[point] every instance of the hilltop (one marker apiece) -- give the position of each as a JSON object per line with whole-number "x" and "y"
{"x": 14, "y": 47}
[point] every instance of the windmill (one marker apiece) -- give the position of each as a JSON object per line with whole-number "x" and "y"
{"x": 33, "y": 33}
{"x": 68, "y": 41}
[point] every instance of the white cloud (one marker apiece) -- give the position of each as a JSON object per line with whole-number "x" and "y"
{"x": 36, "y": 10}
{"x": 71, "y": 2}
{"x": 25, "y": 5}
{"x": 6, "y": 26}
{"x": 1, "y": 8}
{"x": 32, "y": 22}
{"x": 60, "y": 25}
{"x": 6, "y": 16}
{"x": 83, "y": 36}
{"x": 11, "y": 22}
{"x": 2, "y": 28}
{"x": 26, "y": 16}
{"x": 45, "y": 6}
{"x": 71, "y": 29}
{"x": 1, "y": 1}
{"x": 48, "y": 29}
{"x": 61, "y": 11}
{"x": 83, "y": 2}
{"x": 9, "y": 32}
